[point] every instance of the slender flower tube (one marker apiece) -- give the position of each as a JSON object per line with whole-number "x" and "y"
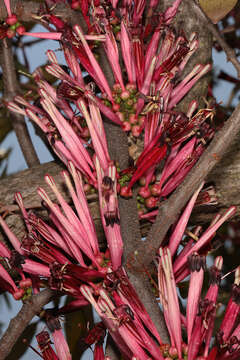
{"x": 178, "y": 232}
{"x": 8, "y": 7}
{"x": 85, "y": 218}
{"x": 35, "y": 268}
{"x": 109, "y": 211}
{"x": 99, "y": 147}
{"x": 44, "y": 343}
{"x": 203, "y": 327}
{"x": 14, "y": 240}
{"x": 206, "y": 236}
{"x": 171, "y": 11}
{"x": 127, "y": 53}
{"x": 197, "y": 266}
{"x": 111, "y": 49}
{"x": 177, "y": 161}
{"x": 77, "y": 150}
{"x": 74, "y": 233}
{"x": 98, "y": 352}
{"x": 8, "y": 284}
{"x": 232, "y": 309}
{"x": 99, "y": 74}
{"x": 169, "y": 299}
{"x": 61, "y": 345}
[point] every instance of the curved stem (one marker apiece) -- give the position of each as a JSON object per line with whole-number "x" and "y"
{"x": 10, "y": 90}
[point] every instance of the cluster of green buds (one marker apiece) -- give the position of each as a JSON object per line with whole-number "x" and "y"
{"x": 14, "y": 26}
{"x": 125, "y": 106}
{"x": 148, "y": 196}
{"x": 170, "y": 352}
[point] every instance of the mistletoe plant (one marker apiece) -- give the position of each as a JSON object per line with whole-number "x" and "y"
{"x": 146, "y": 60}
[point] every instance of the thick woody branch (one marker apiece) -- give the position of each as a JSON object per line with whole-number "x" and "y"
{"x": 27, "y": 11}
{"x": 11, "y": 88}
{"x": 18, "y": 324}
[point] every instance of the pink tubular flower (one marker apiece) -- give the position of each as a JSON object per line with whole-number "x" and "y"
{"x": 232, "y": 309}
{"x": 97, "y": 132}
{"x": 98, "y": 352}
{"x": 203, "y": 239}
{"x": 75, "y": 234}
{"x": 78, "y": 152}
{"x": 204, "y": 325}
{"x": 99, "y": 74}
{"x": 111, "y": 49}
{"x": 14, "y": 240}
{"x": 7, "y": 283}
{"x": 8, "y": 7}
{"x": 61, "y": 345}
{"x": 45, "y": 347}
{"x": 80, "y": 204}
{"x": 197, "y": 266}
{"x": 109, "y": 211}
{"x": 35, "y": 268}
{"x": 178, "y": 232}
{"x": 169, "y": 299}
{"x": 127, "y": 53}
{"x": 171, "y": 11}
{"x": 130, "y": 297}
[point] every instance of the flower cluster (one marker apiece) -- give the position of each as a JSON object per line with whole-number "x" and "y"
{"x": 140, "y": 96}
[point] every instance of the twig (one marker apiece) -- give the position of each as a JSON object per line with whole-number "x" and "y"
{"x": 10, "y": 90}
{"x": 17, "y": 325}
{"x": 171, "y": 208}
{"x": 26, "y": 10}
{"x": 230, "y": 53}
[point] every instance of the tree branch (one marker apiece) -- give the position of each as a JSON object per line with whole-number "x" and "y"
{"x": 11, "y": 88}
{"x": 17, "y": 325}
{"x": 230, "y": 53}
{"x": 26, "y": 11}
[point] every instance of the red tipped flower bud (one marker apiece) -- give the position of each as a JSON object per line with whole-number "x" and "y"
{"x": 155, "y": 190}
{"x": 151, "y": 202}
{"x": 125, "y": 192}
{"x": 10, "y": 33}
{"x": 136, "y": 130}
{"x": 125, "y": 95}
{"x": 11, "y": 20}
{"x": 144, "y": 192}
{"x": 18, "y": 294}
{"x": 126, "y": 126}
{"x": 20, "y": 30}
{"x": 26, "y": 283}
